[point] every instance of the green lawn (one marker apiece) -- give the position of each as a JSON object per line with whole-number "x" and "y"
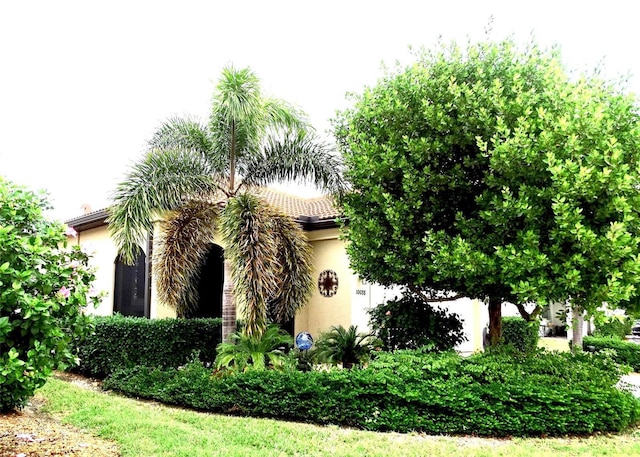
{"x": 149, "y": 429}
{"x": 554, "y": 344}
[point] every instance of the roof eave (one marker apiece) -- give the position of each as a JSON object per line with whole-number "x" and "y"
{"x": 311, "y": 223}
{"x": 88, "y": 221}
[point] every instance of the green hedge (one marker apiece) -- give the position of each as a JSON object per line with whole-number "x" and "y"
{"x": 122, "y": 342}
{"x": 520, "y": 334}
{"x": 626, "y": 352}
{"x": 614, "y": 327}
{"x": 488, "y": 394}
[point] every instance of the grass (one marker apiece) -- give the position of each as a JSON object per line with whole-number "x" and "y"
{"x": 148, "y": 429}
{"x": 554, "y": 344}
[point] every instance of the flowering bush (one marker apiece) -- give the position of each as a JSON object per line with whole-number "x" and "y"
{"x": 44, "y": 287}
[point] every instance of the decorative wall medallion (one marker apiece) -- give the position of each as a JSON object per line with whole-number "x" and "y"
{"x": 328, "y": 283}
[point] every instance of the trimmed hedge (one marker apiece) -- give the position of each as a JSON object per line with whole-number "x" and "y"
{"x": 626, "y": 352}
{"x": 521, "y": 335}
{"x": 487, "y": 394}
{"x": 123, "y": 342}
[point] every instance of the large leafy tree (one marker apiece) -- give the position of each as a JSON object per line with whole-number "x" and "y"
{"x": 199, "y": 180}
{"x": 489, "y": 172}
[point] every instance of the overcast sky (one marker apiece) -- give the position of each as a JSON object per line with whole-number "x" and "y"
{"x": 83, "y": 84}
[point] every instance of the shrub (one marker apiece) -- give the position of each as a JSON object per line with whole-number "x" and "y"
{"x": 122, "y": 342}
{"x": 519, "y": 334}
{"x": 613, "y": 326}
{"x": 485, "y": 394}
{"x": 625, "y": 352}
{"x": 409, "y": 323}
{"x": 345, "y": 346}
{"x": 244, "y": 352}
{"x": 43, "y": 289}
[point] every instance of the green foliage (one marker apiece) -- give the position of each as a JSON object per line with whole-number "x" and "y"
{"x": 486, "y": 394}
{"x": 244, "y": 352}
{"x": 519, "y": 334}
{"x": 123, "y": 342}
{"x": 345, "y": 346}
{"x": 623, "y": 352}
{"x": 613, "y": 326}
{"x": 491, "y": 172}
{"x": 44, "y": 288}
{"x": 409, "y": 323}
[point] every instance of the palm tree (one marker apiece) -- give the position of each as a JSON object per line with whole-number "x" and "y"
{"x": 199, "y": 179}
{"x": 346, "y": 346}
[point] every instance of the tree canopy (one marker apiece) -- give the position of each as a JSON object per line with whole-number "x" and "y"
{"x": 492, "y": 172}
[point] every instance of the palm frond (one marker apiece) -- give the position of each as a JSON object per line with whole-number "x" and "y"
{"x": 252, "y": 251}
{"x": 183, "y": 133}
{"x": 238, "y": 93}
{"x": 237, "y": 121}
{"x": 183, "y": 244}
{"x": 188, "y": 133}
{"x": 346, "y": 346}
{"x": 297, "y": 157}
{"x": 243, "y": 352}
{"x": 158, "y": 183}
{"x": 295, "y": 282}
{"x": 285, "y": 117}
{"x": 242, "y": 118}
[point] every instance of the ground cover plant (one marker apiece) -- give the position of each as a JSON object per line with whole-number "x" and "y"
{"x": 43, "y": 289}
{"x": 487, "y": 394}
{"x": 145, "y": 429}
{"x": 120, "y": 342}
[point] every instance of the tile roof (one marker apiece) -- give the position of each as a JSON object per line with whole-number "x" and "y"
{"x": 317, "y": 212}
{"x": 322, "y": 208}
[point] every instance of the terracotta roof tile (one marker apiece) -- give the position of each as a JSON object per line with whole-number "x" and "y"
{"x": 304, "y": 210}
{"x": 322, "y": 208}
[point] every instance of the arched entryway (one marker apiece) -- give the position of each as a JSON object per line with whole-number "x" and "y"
{"x": 210, "y": 284}
{"x": 130, "y": 287}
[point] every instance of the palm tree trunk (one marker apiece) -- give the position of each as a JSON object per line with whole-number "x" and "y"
{"x": 228, "y": 303}
{"x": 577, "y": 325}
{"x": 232, "y": 158}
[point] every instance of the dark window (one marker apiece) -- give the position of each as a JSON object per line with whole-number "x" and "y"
{"x": 130, "y": 287}
{"x": 210, "y": 284}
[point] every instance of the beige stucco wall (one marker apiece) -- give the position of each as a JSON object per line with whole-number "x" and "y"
{"x": 323, "y": 312}
{"x": 97, "y": 243}
{"x": 347, "y": 307}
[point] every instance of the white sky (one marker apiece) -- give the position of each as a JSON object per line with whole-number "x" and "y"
{"x": 83, "y": 84}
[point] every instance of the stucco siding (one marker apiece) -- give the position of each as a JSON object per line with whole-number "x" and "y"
{"x": 323, "y": 312}
{"x": 98, "y": 244}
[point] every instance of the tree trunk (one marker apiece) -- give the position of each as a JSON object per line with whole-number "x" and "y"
{"x": 495, "y": 320}
{"x": 577, "y": 325}
{"x": 228, "y": 303}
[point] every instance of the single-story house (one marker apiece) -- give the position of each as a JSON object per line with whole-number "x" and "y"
{"x": 340, "y": 298}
